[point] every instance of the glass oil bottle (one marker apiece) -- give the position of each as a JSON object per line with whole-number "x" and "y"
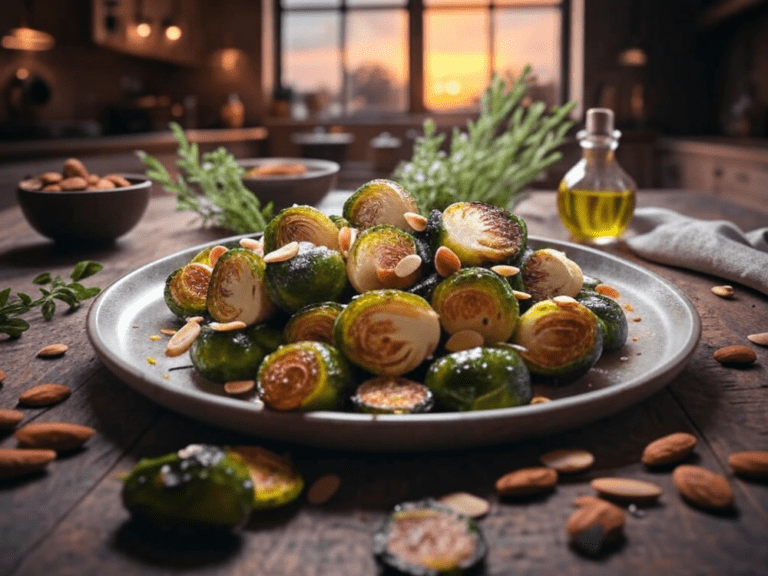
{"x": 596, "y": 198}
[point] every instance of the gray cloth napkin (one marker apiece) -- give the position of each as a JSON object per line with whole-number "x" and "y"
{"x": 716, "y": 247}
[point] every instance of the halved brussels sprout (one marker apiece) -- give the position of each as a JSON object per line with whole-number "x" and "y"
{"x": 614, "y": 321}
{"x": 313, "y": 322}
{"x": 480, "y": 378}
{"x": 237, "y": 290}
{"x": 304, "y": 376}
{"x": 476, "y": 299}
{"x": 276, "y": 482}
{"x": 222, "y": 356}
{"x": 562, "y": 339}
{"x": 375, "y": 254}
{"x": 428, "y": 539}
{"x": 186, "y": 290}
{"x": 392, "y": 395}
{"x": 300, "y": 224}
{"x": 315, "y": 274}
{"x": 379, "y": 202}
{"x": 340, "y": 221}
{"x": 387, "y": 332}
{"x": 201, "y": 486}
{"x": 482, "y": 234}
{"x": 549, "y": 273}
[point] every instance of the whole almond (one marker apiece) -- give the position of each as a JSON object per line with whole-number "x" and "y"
{"x": 668, "y": 449}
{"x": 50, "y": 178}
{"x": 464, "y": 340}
{"x": 104, "y": 184}
{"x": 446, "y": 261}
{"x": 736, "y": 354}
{"x": 235, "y": 387}
{"x": 527, "y": 481}
{"x": 416, "y": 221}
{"x": 2, "y": 376}
{"x": 52, "y": 350}
{"x": 568, "y": 461}
{"x": 73, "y": 183}
{"x": 627, "y": 489}
{"x": 17, "y": 462}
{"x": 51, "y": 188}
{"x": 724, "y": 291}
{"x": 595, "y": 525}
{"x": 752, "y": 463}
{"x": 323, "y": 489}
{"x": 92, "y": 179}
{"x": 57, "y": 436}
{"x": 117, "y": 180}
{"x": 468, "y": 504}
{"x": 216, "y": 253}
{"x": 408, "y": 265}
{"x": 586, "y": 500}
{"x": 10, "y": 418}
{"x": 45, "y": 394}
{"x": 702, "y": 487}
{"x": 760, "y": 339}
{"x": 73, "y": 167}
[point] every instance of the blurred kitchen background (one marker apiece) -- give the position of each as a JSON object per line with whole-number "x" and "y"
{"x": 353, "y": 80}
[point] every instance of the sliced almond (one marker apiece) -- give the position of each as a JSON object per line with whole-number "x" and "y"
{"x": 227, "y": 326}
{"x": 568, "y": 461}
{"x": 527, "y": 481}
{"x": 183, "y": 339}
{"x": 416, "y": 221}
{"x": 408, "y": 265}
{"x": 235, "y": 387}
{"x": 607, "y": 290}
{"x": 323, "y": 489}
{"x": 505, "y": 270}
{"x": 540, "y": 400}
{"x": 196, "y": 319}
{"x": 345, "y": 240}
{"x": 216, "y": 253}
{"x": 760, "y": 339}
{"x": 446, "y": 261}
{"x": 467, "y": 504}
{"x": 168, "y": 331}
{"x": 253, "y": 245}
{"x": 637, "y": 491}
{"x": 702, "y": 487}
{"x": 565, "y": 301}
{"x": 521, "y": 295}
{"x": 45, "y": 394}
{"x": 724, "y": 291}
{"x": 668, "y": 449}
{"x": 17, "y": 462}
{"x": 283, "y": 253}
{"x": 52, "y": 350}
{"x": 59, "y": 436}
{"x": 10, "y": 418}
{"x": 752, "y": 463}
{"x": 464, "y": 340}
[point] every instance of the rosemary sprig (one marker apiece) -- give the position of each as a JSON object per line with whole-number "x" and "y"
{"x": 498, "y": 155}
{"x": 72, "y": 293}
{"x": 211, "y": 185}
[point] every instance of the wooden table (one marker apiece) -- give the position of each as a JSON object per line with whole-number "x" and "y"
{"x": 70, "y": 520}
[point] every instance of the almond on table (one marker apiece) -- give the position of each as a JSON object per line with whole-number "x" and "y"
{"x": 45, "y": 394}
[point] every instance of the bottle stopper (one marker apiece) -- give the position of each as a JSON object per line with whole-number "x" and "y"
{"x": 600, "y": 121}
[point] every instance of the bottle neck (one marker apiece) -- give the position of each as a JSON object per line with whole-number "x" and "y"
{"x": 598, "y": 154}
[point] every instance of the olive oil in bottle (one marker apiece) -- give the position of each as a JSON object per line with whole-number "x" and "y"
{"x": 596, "y": 198}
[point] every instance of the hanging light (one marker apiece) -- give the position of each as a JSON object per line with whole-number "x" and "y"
{"x": 24, "y": 38}
{"x": 172, "y": 30}
{"x": 141, "y": 22}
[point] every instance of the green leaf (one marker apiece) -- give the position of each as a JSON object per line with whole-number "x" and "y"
{"x": 40, "y": 279}
{"x": 14, "y": 327}
{"x": 49, "y": 307}
{"x": 26, "y": 299}
{"x": 85, "y": 269}
{"x": 4, "y": 296}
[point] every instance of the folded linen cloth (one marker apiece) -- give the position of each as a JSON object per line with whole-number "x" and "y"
{"x": 716, "y": 247}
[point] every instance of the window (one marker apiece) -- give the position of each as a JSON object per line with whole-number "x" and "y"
{"x": 346, "y": 58}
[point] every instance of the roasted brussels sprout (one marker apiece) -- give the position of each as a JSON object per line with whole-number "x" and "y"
{"x": 482, "y": 234}
{"x": 562, "y": 339}
{"x": 548, "y": 273}
{"x": 313, "y": 322}
{"x": 379, "y": 202}
{"x": 340, "y": 221}
{"x": 222, "y": 356}
{"x": 276, "y": 482}
{"x": 315, "y": 274}
{"x": 476, "y": 299}
{"x": 387, "y": 332}
{"x": 614, "y": 321}
{"x": 392, "y": 395}
{"x": 304, "y": 376}
{"x": 201, "y": 486}
{"x": 374, "y": 256}
{"x": 237, "y": 290}
{"x": 186, "y": 290}
{"x": 300, "y": 224}
{"x": 480, "y": 378}
{"x": 428, "y": 539}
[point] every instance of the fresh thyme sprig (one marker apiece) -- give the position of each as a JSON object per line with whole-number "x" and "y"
{"x": 72, "y": 293}
{"x": 210, "y": 185}
{"x": 495, "y": 159}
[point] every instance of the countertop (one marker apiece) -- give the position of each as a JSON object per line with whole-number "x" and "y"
{"x": 70, "y": 519}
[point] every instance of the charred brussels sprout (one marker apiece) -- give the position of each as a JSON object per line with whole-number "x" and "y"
{"x": 476, "y": 299}
{"x": 614, "y": 321}
{"x": 300, "y": 224}
{"x": 186, "y": 290}
{"x": 379, "y": 202}
{"x": 374, "y": 256}
{"x": 548, "y": 273}
{"x": 313, "y": 322}
{"x": 275, "y": 480}
{"x": 315, "y": 274}
{"x": 387, "y": 332}
{"x": 304, "y": 376}
{"x": 426, "y": 286}
{"x": 392, "y": 395}
{"x": 199, "y": 487}
{"x": 481, "y": 234}
{"x": 237, "y": 290}
{"x": 223, "y": 356}
{"x": 428, "y": 539}
{"x": 563, "y": 339}
{"x": 480, "y": 379}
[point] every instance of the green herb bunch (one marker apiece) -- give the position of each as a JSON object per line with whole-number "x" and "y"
{"x": 505, "y": 149}
{"x": 72, "y": 293}
{"x": 211, "y": 185}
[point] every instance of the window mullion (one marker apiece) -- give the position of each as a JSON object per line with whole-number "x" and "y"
{"x": 416, "y": 56}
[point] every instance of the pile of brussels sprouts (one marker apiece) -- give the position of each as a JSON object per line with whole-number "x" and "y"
{"x": 384, "y": 310}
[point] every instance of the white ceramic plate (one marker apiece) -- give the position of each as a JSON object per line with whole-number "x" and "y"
{"x": 664, "y": 331}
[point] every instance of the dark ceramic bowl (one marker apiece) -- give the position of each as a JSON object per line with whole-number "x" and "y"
{"x": 98, "y": 215}
{"x": 308, "y": 187}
